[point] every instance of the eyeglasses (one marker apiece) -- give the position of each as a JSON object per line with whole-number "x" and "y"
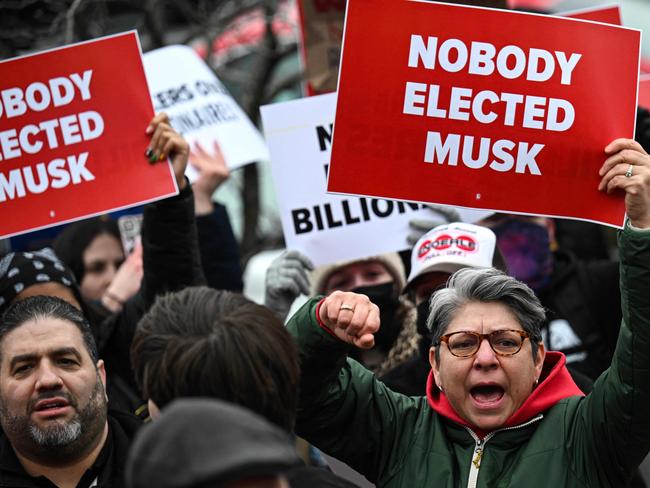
{"x": 464, "y": 344}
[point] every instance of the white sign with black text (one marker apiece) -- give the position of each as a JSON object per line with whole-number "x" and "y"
{"x": 200, "y": 107}
{"x": 329, "y": 228}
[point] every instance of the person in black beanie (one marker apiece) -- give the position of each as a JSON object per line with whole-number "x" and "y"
{"x": 200, "y": 442}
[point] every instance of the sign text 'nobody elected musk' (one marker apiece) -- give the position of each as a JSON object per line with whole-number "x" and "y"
{"x": 200, "y": 107}
{"x": 72, "y": 139}
{"x": 503, "y": 111}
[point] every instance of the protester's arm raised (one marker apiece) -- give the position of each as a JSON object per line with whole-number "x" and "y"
{"x": 352, "y": 317}
{"x": 213, "y": 171}
{"x": 170, "y": 258}
{"x": 166, "y": 142}
{"x": 343, "y": 409}
{"x": 611, "y": 434}
{"x": 627, "y": 155}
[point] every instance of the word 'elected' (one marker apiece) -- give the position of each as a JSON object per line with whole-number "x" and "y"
{"x": 67, "y": 130}
{"x": 486, "y": 106}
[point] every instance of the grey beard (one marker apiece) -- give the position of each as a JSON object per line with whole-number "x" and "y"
{"x": 56, "y": 436}
{"x": 61, "y": 442}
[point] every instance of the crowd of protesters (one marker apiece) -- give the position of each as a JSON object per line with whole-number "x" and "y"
{"x": 524, "y": 364}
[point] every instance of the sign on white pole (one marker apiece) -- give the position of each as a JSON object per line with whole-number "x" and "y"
{"x": 200, "y": 107}
{"x": 329, "y": 228}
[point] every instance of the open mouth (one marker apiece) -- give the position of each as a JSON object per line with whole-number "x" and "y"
{"x": 487, "y": 394}
{"x": 50, "y": 405}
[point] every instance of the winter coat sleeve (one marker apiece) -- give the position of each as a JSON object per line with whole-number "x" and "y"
{"x": 170, "y": 247}
{"x": 343, "y": 409}
{"x": 611, "y": 433}
{"x": 219, "y": 250}
{"x": 171, "y": 262}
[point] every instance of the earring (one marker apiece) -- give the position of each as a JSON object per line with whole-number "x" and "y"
{"x": 440, "y": 388}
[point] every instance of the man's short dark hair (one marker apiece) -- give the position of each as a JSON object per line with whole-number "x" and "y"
{"x": 213, "y": 343}
{"x": 43, "y": 307}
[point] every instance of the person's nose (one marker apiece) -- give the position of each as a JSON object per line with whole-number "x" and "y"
{"x": 357, "y": 281}
{"x": 485, "y": 357}
{"x": 48, "y": 377}
{"x": 111, "y": 271}
{"x": 108, "y": 275}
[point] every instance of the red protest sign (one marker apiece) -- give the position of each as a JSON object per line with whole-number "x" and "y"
{"x": 504, "y": 111}
{"x": 72, "y": 135}
{"x": 644, "y": 91}
{"x": 321, "y": 30}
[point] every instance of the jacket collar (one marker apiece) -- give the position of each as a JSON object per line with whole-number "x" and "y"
{"x": 556, "y": 385}
{"x": 109, "y": 465}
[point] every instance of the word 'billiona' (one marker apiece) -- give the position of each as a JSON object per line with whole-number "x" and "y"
{"x": 354, "y": 211}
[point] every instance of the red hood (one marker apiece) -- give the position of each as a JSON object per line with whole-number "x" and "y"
{"x": 556, "y": 384}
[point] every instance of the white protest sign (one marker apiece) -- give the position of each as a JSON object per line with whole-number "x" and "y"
{"x": 200, "y": 107}
{"x": 329, "y": 228}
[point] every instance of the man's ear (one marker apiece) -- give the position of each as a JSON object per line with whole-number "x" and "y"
{"x": 154, "y": 411}
{"x": 102, "y": 374}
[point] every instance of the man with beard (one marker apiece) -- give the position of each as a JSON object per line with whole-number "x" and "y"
{"x": 53, "y": 404}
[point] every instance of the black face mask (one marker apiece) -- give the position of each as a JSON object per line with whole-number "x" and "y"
{"x": 383, "y": 296}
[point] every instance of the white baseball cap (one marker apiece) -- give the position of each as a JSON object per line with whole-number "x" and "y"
{"x": 450, "y": 247}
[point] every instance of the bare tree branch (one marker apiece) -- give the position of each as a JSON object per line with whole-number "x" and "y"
{"x": 262, "y": 74}
{"x": 154, "y": 21}
{"x": 69, "y": 21}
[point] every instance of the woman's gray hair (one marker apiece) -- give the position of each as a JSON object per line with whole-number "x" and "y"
{"x": 486, "y": 285}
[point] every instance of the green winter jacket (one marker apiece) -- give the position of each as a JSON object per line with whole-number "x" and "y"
{"x": 561, "y": 439}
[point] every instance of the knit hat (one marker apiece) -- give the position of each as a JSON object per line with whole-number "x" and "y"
{"x": 20, "y": 270}
{"x": 391, "y": 261}
{"x": 200, "y": 441}
{"x": 450, "y": 247}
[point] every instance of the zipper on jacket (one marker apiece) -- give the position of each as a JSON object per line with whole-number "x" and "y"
{"x": 479, "y": 447}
